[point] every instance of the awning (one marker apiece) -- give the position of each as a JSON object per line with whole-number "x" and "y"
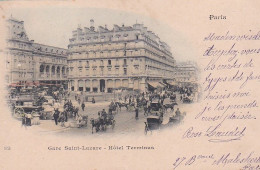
{"x": 174, "y": 83}
{"x": 155, "y": 84}
{"x": 47, "y": 84}
{"x": 164, "y": 85}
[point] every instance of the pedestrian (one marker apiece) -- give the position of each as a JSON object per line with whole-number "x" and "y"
{"x": 136, "y": 112}
{"x": 93, "y": 100}
{"x": 177, "y": 113}
{"x": 28, "y": 119}
{"x": 23, "y": 120}
{"x": 66, "y": 116}
{"x": 56, "y": 116}
{"x": 83, "y": 106}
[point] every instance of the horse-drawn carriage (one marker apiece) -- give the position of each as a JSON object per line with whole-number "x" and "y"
{"x": 156, "y": 122}
{"x": 79, "y": 122}
{"x": 101, "y": 123}
{"x": 113, "y": 108}
{"x": 152, "y": 123}
{"x": 187, "y": 99}
{"x": 26, "y": 109}
{"x": 25, "y": 106}
{"x": 156, "y": 108}
{"x": 168, "y": 103}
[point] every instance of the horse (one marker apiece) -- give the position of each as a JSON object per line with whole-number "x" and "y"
{"x": 113, "y": 107}
{"x": 171, "y": 106}
{"x": 98, "y": 124}
{"x": 40, "y": 100}
{"x": 120, "y": 105}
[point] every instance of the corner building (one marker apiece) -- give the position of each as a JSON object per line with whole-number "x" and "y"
{"x": 29, "y": 63}
{"x": 131, "y": 57}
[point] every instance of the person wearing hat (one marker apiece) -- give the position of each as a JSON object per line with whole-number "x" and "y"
{"x": 56, "y": 115}
{"x": 83, "y": 106}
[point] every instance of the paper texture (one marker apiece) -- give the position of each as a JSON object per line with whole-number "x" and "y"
{"x": 220, "y": 131}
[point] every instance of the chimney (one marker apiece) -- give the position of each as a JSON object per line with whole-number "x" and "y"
{"x": 92, "y": 28}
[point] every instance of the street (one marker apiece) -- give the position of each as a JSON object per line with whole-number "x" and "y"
{"x": 126, "y": 123}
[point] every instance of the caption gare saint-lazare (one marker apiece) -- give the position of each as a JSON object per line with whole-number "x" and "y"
{"x": 98, "y": 148}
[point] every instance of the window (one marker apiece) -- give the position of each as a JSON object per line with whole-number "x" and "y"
{"x": 125, "y": 71}
{"x": 109, "y": 62}
{"x": 125, "y": 62}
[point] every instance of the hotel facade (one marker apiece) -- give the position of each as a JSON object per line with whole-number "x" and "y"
{"x": 100, "y": 60}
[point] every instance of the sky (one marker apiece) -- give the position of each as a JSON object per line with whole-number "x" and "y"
{"x": 54, "y": 26}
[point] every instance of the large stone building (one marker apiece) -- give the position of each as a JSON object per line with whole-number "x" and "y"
{"x": 101, "y": 60}
{"x": 185, "y": 73}
{"x": 29, "y": 63}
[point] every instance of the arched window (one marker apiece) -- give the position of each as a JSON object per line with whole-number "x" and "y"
{"x": 41, "y": 68}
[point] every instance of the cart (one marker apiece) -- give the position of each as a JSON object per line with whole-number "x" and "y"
{"x": 152, "y": 123}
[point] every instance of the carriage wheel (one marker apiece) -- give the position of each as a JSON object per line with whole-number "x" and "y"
{"x": 113, "y": 124}
{"x": 18, "y": 111}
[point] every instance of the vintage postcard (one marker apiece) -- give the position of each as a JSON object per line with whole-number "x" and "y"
{"x": 130, "y": 85}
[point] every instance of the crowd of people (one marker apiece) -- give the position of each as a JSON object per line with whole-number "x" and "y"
{"x": 67, "y": 104}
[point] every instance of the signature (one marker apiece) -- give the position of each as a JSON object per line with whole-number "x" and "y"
{"x": 217, "y": 135}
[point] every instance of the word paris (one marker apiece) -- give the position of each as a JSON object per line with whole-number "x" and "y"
{"x": 214, "y": 17}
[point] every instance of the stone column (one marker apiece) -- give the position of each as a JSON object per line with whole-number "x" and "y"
{"x": 76, "y": 85}
{"x": 130, "y": 83}
{"x": 50, "y": 72}
{"x": 114, "y": 84}
{"x": 60, "y": 73}
{"x": 84, "y": 86}
{"x": 105, "y": 86}
{"x": 91, "y": 85}
{"x": 55, "y": 74}
{"x": 44, "y": 72}
{"x": 69, "y": 85}
{"x": 142, "y": 85}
